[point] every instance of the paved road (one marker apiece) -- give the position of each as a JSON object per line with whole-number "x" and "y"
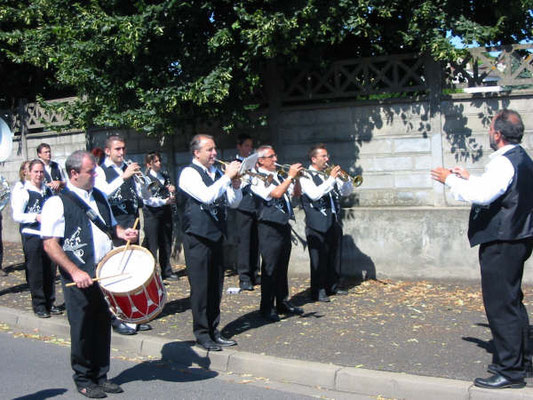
{"x": 36, "y": 370}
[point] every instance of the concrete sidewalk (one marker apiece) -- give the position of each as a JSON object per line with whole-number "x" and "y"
{"x": 328, "y": 376}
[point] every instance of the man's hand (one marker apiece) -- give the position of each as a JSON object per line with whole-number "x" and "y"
{"x": 54, "y": 185}
{"x": 171, "y": 188}
{"x": 131, "y": 234}
{"x": 232, "y": 170}
{"x": 131, "y": 170}
{"x": 236, "y": 183}
{"x": 440, "y": 174}
{"x": 335, "y": 171}
{"x": 81, "y": 278}
{"x": 295, "y": 170}
{"x": 461, "y": 172}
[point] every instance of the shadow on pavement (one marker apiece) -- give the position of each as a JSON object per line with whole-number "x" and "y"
{"x": 42, "y": 394}
{"x": 165, "y": 369}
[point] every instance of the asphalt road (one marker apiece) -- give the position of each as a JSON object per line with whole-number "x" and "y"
{"x": 33, "y": 369}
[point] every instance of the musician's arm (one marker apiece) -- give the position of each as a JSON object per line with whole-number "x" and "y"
{"x": 314, "y": 192}
{"x": 128, "y": 234}
{"x": 57, "y": 255}
{"x": 19, "y": 200}
{"x": 101, "y": 183}
{"x": 233, "y": 197}
{"x": 191, "y": 183}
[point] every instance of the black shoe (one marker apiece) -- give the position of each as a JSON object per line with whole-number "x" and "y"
{"x": 42, "y": 314}
{"x": 172, "y": 277}
{"x": 144, "y": 327}
{"x": 322, "y": 296}
{"x": 271, "y": 316}
{"x": 257, "y": 280}
{"x": 122, "y": 329}
{"x": 498, "y": 381}
{"x": 337, "y": 292}
{"x": 246, "y": 286}
{"x": 224, "y": 342}
{"x": 287, "y": 308}
{"x": 92, "y": 392}
{"x": 209, "y": 345}
{"x": 110, "y": 387}
{"x": 54, "y": 310}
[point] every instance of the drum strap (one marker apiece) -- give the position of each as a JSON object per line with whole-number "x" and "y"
{"x": 91, "y": 214}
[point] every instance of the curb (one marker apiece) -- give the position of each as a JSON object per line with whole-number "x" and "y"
{"x": 313, "y": 374}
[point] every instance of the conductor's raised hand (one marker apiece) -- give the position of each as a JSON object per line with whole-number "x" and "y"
{"x": 232, "y": 170}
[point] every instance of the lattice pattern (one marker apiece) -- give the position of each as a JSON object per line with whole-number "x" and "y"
{"x": 502, "y": 66}
{"x": 352, "y": 78}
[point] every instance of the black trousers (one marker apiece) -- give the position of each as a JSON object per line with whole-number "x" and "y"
{"x": 40, "y": 274}
{"x": 275, "y": 248}
{"x": 205, "y": 270}
{"x": 248, "y": 247}
{"x": 325, "y": 249}
{"x": 502, "y": 266}
{"x": 158, "y": 235}
{"x": 90, "y": 334}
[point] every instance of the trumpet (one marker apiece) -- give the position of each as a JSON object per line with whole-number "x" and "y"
{"x": 345, "y": 176}
{"x": 142, "y": 179}
{"x": 265, "y": 178}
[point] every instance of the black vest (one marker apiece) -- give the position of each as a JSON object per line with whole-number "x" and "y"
{"x": 250, "y": 201}
{"x": 275, "y": 210}
{"x": 35, "y": 205}
{"x": 55, "y": 173}
{"x": 318, "y": 214}
{"x": 509, "y": 217}
{"x": 77, "y": 241}
{"x": 204, "y": 220}
{"x": 124, "y": 201}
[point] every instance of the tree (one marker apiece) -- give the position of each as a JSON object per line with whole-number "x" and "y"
{"x": 155, "y": 65}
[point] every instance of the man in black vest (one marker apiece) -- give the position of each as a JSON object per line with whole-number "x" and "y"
{"x": 54, "y": 176}
{"x": 501, "y": 222}
{"x": 207, "y": 192}
{"x": 275, "y": 210}
{"x": 247, "y": 249}
{"x": 320, "y": 201}
{"x": 77, "y": 244}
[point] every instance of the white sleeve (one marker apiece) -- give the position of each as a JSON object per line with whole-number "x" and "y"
{"x": 260, "y": 189}
{"x": 19, "y": 201}
{"x": 52, "y": 218}
{"x": 191, "y": 183}
{"x": 486, "y": 188}
{"x": 101, "y": 183}
{"x": 314, "y": 192}
{"x": 233, "y": 196}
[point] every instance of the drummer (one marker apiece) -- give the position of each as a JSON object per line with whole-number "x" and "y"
{"x": 78, "y": 227}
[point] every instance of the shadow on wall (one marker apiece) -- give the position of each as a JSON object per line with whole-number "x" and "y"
{"x": 355, "y": 264}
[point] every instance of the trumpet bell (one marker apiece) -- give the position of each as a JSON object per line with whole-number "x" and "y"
{"x": 357, "y": 180}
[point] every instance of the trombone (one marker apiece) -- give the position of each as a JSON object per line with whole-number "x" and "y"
{"x": 265, "y": 178}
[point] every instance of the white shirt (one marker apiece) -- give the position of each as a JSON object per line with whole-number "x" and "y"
{"x": 484, "y": 189}
{"x": 53, "y": 221}
{"x": 315, "y": 192}
{"x": 48, "y": 169}
{"x": 108, "y": 188}
{"x": 259, "y": 187}
{"x": 19, "y": 201}
{"x": 153, "y": 201}
{"x": 191, "y": 182}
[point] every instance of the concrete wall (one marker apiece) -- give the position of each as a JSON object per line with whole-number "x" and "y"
{"x": 399, "y": 223}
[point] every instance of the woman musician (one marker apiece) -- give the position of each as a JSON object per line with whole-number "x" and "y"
{"x": 26, "y": 204}
{"x": 158, "y": 215}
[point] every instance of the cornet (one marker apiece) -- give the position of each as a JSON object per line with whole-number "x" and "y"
{"x": 265, "y": 178}
{"x": 141, "y": 178}
{"x": 344, "y": 176}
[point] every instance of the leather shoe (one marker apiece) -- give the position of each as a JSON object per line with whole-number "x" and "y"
{"x": 246, "y": 286}
{"x": 144, "y": 327}
{"x": 337, "y": 292}
{"x": 322, "y": 296}
{"x": 171, "y": 277}
{"x": 54, "y": 310}
{"x": 498, "y": 381}
{"x": 92, "y": 392}
{"x": 271, "y": 316}
{"x": 42, "y": 314}
{"x": 110, "y": 387}
{"x": 287, "y": 308}
{"x": 122, "y": 329}
{"x": 224, "y": 342}
{"x": 209, "y": 345}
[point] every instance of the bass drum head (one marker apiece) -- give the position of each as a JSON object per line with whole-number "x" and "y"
{"x": 137, "y": 263}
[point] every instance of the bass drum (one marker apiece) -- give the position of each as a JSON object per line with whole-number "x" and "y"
{"x": 138, "y": 296}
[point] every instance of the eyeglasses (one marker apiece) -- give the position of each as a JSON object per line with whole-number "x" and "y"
{"x": 270, "y": 156}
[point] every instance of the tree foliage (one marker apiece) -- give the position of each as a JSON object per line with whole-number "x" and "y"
{"x": 155, "y": 65}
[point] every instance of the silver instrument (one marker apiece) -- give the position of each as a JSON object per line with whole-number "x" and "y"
{"x": 142, "y": 179}
{"x": 6, "y": 145}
